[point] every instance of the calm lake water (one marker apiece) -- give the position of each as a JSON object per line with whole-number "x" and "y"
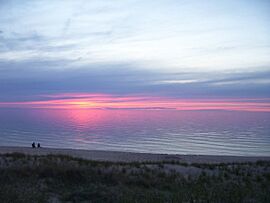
{"x": 183, "y": 132}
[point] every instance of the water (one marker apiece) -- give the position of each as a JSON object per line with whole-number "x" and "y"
{"x": 164, "y": 131}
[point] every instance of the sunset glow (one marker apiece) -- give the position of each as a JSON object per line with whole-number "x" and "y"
{"x": 106, "y": 101}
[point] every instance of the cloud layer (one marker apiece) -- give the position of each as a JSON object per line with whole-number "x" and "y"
{"x": 167, "y": 49}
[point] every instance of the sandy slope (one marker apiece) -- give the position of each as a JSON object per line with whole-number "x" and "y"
{"x": 129, "y": 156}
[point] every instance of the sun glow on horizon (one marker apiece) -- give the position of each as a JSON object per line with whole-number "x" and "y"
{"x": 107, "y": 101}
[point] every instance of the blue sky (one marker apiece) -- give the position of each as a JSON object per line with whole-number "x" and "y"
{"x": 185, "y": 49}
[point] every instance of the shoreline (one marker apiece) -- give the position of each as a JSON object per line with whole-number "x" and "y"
{"x": 118, "y": 156}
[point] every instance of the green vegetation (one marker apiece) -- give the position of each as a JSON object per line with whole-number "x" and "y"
{"x": 58, "y": 178}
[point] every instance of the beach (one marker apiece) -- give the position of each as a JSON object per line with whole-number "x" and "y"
{"x": 117, "y": 156}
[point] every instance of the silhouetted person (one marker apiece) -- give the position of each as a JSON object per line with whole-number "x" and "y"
{"x": 38, "y": 145}
{"x": 33, "y": 145}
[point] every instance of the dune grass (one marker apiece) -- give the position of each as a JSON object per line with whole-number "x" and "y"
{"x": 58, "y": 178}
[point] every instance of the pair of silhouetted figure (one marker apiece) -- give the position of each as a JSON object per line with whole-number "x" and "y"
{"x": 34, "y": 145}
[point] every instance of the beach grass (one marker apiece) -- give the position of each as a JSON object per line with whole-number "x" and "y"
{"x": 61, "y": 178}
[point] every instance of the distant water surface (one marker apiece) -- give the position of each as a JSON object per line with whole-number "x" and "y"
{"x": 155, "y": 131}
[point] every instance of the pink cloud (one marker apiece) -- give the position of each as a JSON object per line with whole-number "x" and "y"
{"x": 107, "y": 101}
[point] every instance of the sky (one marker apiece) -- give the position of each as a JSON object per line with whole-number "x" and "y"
{"x": 156, "y": 54}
